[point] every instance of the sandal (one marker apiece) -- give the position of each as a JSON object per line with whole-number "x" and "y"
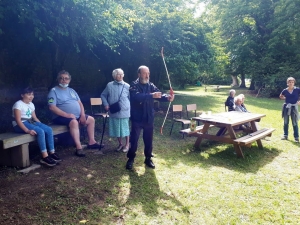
{"x": 119, "y": 148}
{"x": 95, "y": 146}
{"x": 79, "y": 153}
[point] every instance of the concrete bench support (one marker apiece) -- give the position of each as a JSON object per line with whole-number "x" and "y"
{"x": 14, "y": 147}
{"x": 17, "y": 156}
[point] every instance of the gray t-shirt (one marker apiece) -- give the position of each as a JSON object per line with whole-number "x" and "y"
{"x": 65, "y": 99}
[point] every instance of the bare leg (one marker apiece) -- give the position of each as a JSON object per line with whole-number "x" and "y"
{"x": 74, "y": 131}
{"x": 119, "y": 140}
{"x": 44, "y": 154}
{"x": 90, "y": 122}
{"x": 127, "y": 141}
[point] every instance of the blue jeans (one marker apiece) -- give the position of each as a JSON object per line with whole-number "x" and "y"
{"x": 44, "y": 134}
{"x": 286, "y": 127}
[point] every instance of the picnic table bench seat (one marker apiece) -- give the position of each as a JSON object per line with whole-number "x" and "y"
{"x": 197, "y": 129}
{"x": 14, "y": 149}
{"x": 252, "y": 137}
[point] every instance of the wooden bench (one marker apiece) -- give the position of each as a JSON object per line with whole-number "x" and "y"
{"x": 255, "y": 136}
{"x": 188, "y": 130}
{"x": 14, "y": 149}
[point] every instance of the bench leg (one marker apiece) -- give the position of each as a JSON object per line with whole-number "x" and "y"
{"x": 198, "y": 142}
{"x": 238, "y": 151}
{"x": 259, "y": 144}
{"x": 199, "y": 139}
{"x": 255, "y": 128}
{"x": 171, "y": 128}
{"x": 16, "y": 156}
{"x": 5, "y": 157}
{"x": 237, "y": 147}
{"x": 222, "y": 131}
{"x": 20, "y": 155}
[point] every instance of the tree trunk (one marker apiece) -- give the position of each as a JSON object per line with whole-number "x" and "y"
{"x": 55, "y": 63}
{"x": 252, "y": 86}
{"x": 59, "y": 57}
{"x": 243, "y": 84}
{"x": 234, "y": 81}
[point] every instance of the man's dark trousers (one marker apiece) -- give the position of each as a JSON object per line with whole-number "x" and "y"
{"x": 136, "y": 128}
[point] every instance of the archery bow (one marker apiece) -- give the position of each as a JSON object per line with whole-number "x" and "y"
{"x": 171, "y": 89}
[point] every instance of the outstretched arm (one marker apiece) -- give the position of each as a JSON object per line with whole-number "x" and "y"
{"x": 137, "y": 96}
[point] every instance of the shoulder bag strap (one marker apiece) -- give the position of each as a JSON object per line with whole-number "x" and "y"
{"x": 121, "y": 92}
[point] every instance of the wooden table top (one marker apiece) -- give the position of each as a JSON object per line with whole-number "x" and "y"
{"x": 229, "y": 118}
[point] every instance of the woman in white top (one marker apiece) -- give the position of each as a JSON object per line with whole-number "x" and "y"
{"x": 238, "y": 101}
{"x": 25, "y": 121}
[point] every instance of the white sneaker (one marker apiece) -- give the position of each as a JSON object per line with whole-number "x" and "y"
{"x": 125, "y": 149}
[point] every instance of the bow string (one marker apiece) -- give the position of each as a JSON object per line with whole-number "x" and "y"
{"x": 171, "y": 89}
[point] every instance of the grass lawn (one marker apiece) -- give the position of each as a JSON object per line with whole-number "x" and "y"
{"x": 211, "y": 186}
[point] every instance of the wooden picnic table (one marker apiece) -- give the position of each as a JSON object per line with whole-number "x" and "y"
{"x": 228, "y": 124}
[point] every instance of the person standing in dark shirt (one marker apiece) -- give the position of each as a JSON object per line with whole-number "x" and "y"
{"x": 230, "y": 100}
{"x": 290, "y": 108}
{"x": 142, "y": 95}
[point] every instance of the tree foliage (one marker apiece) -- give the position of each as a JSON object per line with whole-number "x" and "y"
{"x": 91, "y": 38}
{"x": 262, "y": 38}
{"x": 257, "y": 39}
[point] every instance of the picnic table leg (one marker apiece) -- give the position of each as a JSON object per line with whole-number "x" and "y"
{"x": 222, "y": 131}
{"x": 237, "y": 147}
{"x": 254, "y": 128}
{"x": 199, "y": 139}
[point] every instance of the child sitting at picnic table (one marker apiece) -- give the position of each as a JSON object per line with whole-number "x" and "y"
{"x": 25, "y": 121}
{"x": 290, "y": 108}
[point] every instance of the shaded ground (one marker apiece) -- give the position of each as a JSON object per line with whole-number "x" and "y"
{"x": 187, "y": 187}
{"x": 61, "y": 194}
{"x": 26, "y": 199}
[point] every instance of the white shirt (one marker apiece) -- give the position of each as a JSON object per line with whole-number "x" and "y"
{"x": 26, "y": 110}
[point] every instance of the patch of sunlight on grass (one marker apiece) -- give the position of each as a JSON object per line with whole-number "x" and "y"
{"x": 140, "y": 170}
{"x": 205, "y": 155}
{"x": 123, "y": 190}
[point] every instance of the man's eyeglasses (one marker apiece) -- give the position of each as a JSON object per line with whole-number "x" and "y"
{"x": 64, "y": 78}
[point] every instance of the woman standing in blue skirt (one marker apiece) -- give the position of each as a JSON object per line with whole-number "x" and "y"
{"x": 118, "y": 91}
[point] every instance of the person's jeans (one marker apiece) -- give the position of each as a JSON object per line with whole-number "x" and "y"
{"x": 286, "y": 127}
{"x": 44, "y": 134}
